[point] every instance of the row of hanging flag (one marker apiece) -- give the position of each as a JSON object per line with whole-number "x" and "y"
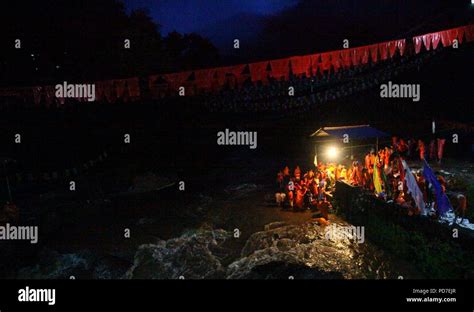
{"x": 308, "y": 65}
{"x": 213, "y": 79}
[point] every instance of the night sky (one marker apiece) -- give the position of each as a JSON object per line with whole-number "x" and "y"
{"x": 193, "y": 15}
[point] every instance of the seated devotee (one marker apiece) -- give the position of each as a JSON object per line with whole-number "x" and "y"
{"x": 297, "y": 174}
{"x": 367, "y": 179}
{"x": 280, "y": 189}
{"x": 322, "y": 213}
{"x": 459, "y": 203}
{"x": 280, "y": 199}
{"x": 299, "y": 198}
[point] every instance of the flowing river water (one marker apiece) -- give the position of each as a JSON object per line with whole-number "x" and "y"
{"x": 222, "y": 230}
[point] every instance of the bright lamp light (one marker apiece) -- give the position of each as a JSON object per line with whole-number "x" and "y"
{"x": 332, "y": 152}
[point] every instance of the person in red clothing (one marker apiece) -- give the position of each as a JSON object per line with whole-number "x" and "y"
{"x": 421, "y": 149}
{"x": 357, "y": 177}
{"x": 403, "y": 148}
{"x": 370, "y": 161}
{"x": 280, "y": 189}
{"x": 297, "y": 173}
{"x": 300, "y": 193}
{"x": 367, "y": 179}
{"x": 395, "y": 143}
{"x": 313, "y": 188}
{"x": 440, "y": 146}
{"x": 386, "y": 159}
{"x": 279, "y": 180}
{"x": 432, "y": 148}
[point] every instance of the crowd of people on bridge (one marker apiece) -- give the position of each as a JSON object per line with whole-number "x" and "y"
{"x": 309, "y": 91}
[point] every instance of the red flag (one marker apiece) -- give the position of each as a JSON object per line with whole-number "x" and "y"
{"x": 133, "y": 85}
{"x": 435, "y": 39}
{"x": 392, "y": 48}
{"x": 383, "y": 50}
{"x": 446, "y": 39}
{"x": 258, "y": 71}
{"x": 37, "y": 95}
{"x": 157, "y": 90}
{"x": 427, "y": 39}
{"x": 346, "y": 57}
{"x": 301, "y": 65}
{"x": 417, "y": 42}
{"x": 401, "y": 45}
{"x": 50, "y": 95}
{"x": 99, "y": 92}
{"x": 176, "y": 80}
{"x": 355, "y": 56}
{"x": 469, "y": 31}
{"x": 120, "y": 85}
{"x": 108, "y": 90}
{"x": 374, "y": 52}
{"x": 280, "y": 68}
{"x": 230, "y": 74}
{"x": 460, "y": 34}
{"x": 325, "y": 61}
{"x": 453, "y": 35}
{"x": 316, "y": 63}
{"x": 203, "y": 78}
{"x": 364, "y": 54}
{"x": 336, "y": 60}
{"x": 220, "y": 76}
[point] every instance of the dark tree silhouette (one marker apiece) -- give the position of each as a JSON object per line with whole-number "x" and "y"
{"x": 312, "y": 25}
{"x": 80, "y": 40}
